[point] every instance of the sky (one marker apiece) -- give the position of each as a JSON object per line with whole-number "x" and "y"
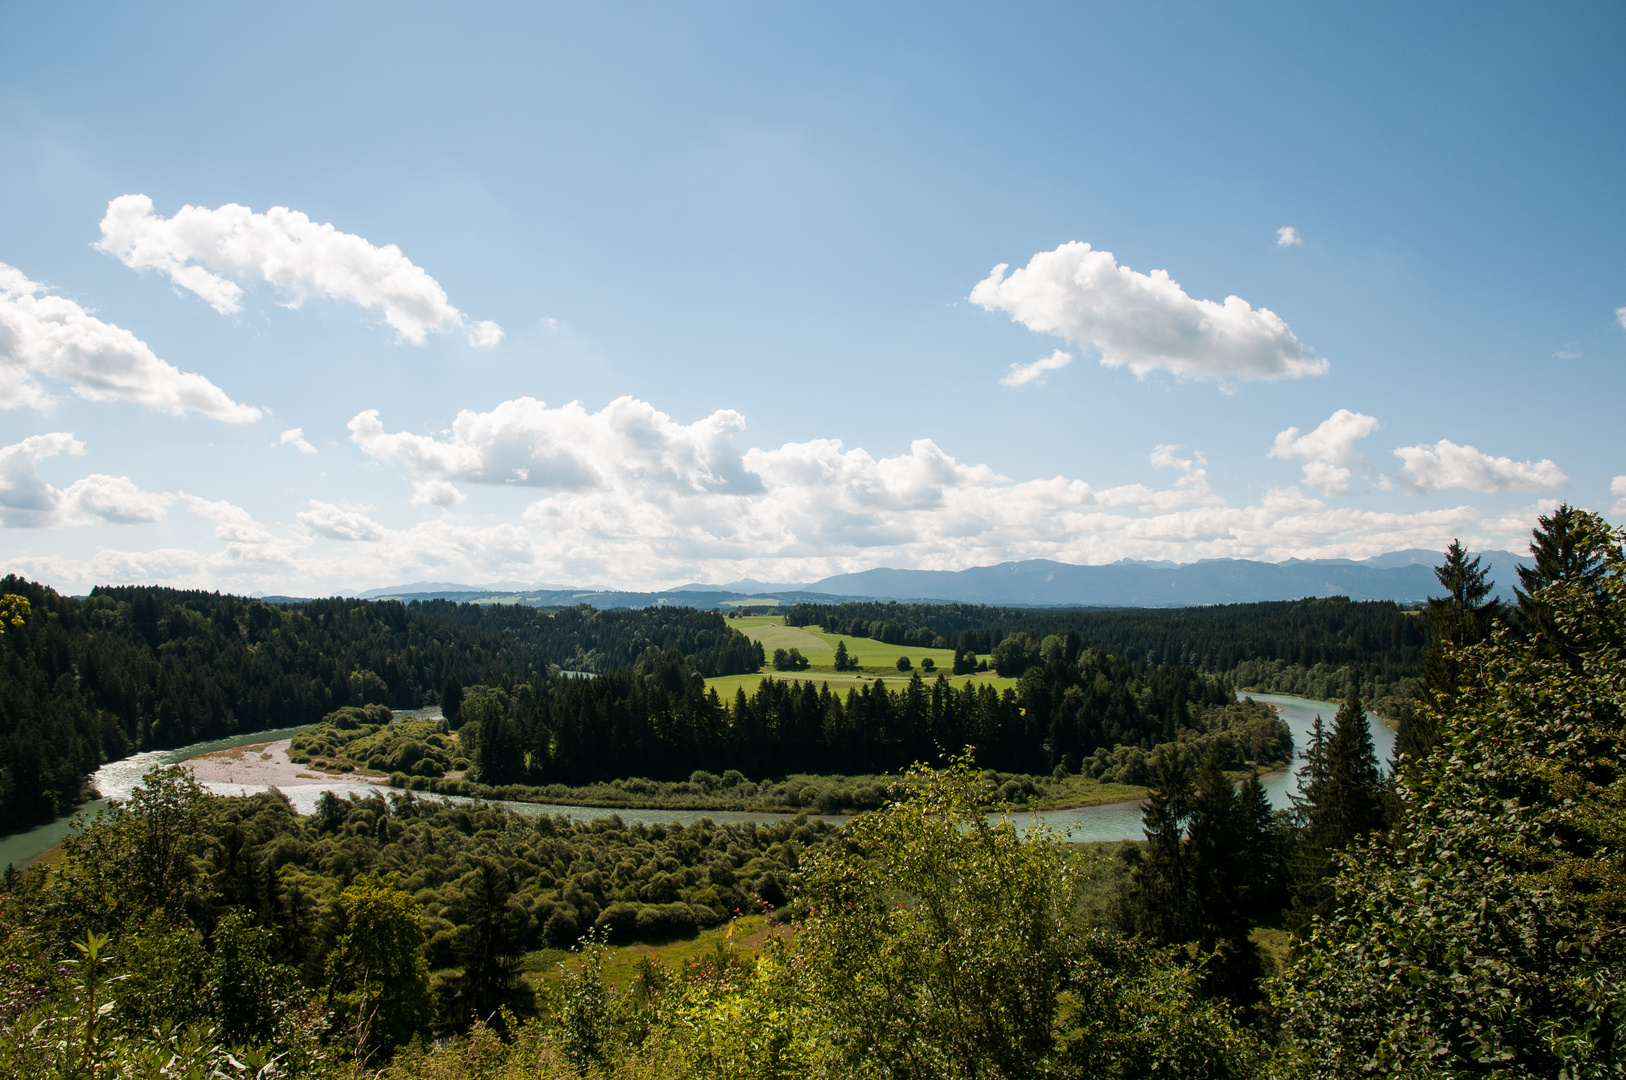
{"x": 306, "y": 299}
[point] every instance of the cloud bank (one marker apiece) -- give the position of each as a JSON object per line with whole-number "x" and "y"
{"x": 28, "y": 502}
{"x": 1446, "y": 465}
{"x": 1145, "y": 322}
{"x": 630, "y": 496}
{"x": 52, "y": 337}
{"x": 209, "y": 251}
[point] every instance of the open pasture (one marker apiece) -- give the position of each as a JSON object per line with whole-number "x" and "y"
{"x": 876, "y": 659}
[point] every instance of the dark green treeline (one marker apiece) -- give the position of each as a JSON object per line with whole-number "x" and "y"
{"x": 84, "y": 681}
{"x": 1379, "y": 639}
{"x": 657, "y": 720}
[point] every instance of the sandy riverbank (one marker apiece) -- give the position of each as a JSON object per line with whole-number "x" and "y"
{"x": 264, "y": 764}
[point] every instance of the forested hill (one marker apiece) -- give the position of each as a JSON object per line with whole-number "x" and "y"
{"x": 1377, "y": 637}
{"x": 587, "y": 639}
{"x": 87, "y": 681}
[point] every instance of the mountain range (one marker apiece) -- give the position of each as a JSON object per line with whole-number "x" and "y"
{"x": 1402, "y": 576}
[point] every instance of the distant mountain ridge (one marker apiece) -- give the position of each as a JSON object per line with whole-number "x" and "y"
{"x": 1405, "y": 576}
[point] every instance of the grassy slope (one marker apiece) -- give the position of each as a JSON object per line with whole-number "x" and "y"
{"x": 878, "y": 660}
{"x": 744, "y": 936}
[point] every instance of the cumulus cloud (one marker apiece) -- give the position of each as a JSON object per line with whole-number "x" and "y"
{"x": 295, "y": 437}
{"x": 52, "y": 337}
{"x": 336, "y": 523}
{"x": 645, "y": 500}
{"x": 1035, "y": 372}
{"x": 628, "y": 445}
{"x": 1144, "y": 322}
{"x": 436, "y": 493}
{"x": 27, "y": 501}
{"x": 1446, "y": 465}
{"x": 1620, "y": 316}
{"x": 1617, "y": 488}
{"x": 209, "y": 252}
{"x": 1287, "y": 236}
{"x": 1328, "y": 452}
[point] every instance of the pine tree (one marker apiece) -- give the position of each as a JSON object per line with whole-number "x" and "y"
{"x": 1463, "y": 616}
{"x": 1569, "y": 546}
{"x": 1161, "y": 883}
{"x": 1264, "y": 887}
{"x": 1217, "y": 856}
{"x": 1341, "y": 800}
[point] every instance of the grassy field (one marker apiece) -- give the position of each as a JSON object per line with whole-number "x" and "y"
{"x": 876, "y": 659}
{"x": 743, "y": 936}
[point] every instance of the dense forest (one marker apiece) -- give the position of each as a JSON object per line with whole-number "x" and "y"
{"x": 588, "y": 639}
{"x": 1316, "y": 647}
{"x": 1377, "y": 637}
{"x": 84, "y": 681}
{"x": 1460, "y": 919}
{"x": 1074, "y": 710}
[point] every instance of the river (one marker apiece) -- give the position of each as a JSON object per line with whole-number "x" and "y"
{"x": 1115, "y": 821}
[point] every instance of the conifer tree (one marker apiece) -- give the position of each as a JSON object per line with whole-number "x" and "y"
{"x": 1217, "y": 856}
{"x": 1340, "y": 800}
{"x": 1162, "y": 881}
{"x": 1463, "y": 616}
{"x": 1264, "y": 887}
{"x": 1571, "y": 545}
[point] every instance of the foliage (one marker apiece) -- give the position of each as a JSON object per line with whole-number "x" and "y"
{"x": 14, "y": 610}
{"x": 371, "y": 740}
{"x": 584, "y": 638}
{"x": 87, "y": 681}
{"x": 1339, "y": 801}
{"x": 376, "y": 976}
{"x": 790, "y": 660}
{"x": 1484, "y": 939}
{"x": 944, "y": 945}
{"x": 1379, "y": 638}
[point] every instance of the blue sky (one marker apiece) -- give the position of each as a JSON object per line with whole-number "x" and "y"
{"x": 741, "y": 259}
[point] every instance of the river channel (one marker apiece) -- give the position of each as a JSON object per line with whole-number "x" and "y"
{"x": 1116, "y": 821}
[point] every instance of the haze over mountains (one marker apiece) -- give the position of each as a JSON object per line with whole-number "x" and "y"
{"x": 1402, "y": 576}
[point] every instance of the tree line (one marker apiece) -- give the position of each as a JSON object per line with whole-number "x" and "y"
{"x": 1379, "y": 639}
{"x": 85, "y": 681}
{"x": 1073, "y": 709}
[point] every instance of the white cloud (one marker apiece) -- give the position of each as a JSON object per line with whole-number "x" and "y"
{"x": 1620, "y": 316}
{"x": 1617, "y": 488}
{"x": 49, "y": 336}
{"x": 1035, "y": 372}
{"x": 1144, "y": 322}
{"x": 247, "y": 544}
{"x": 336, "y": 523}
{"x": 295, "y": 437}
{"x": 209, "y": 251}
{"x": 642, "y": 503}
{"x": 626, "y": 446}
{"x": 1447, "y": 465}
{"x": 436, "y": 493}
{"x": 27, "y": 501}
{"x": 1287, "y": 236}
{"x": 1328, "y": 452}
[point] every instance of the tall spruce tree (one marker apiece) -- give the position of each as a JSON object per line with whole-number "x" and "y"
{"x": 1161, "y": 882}
{"x": 1464, "y": 616}
{"x": 1340, "y": 800}
{"x": 1264, "y": 888}
{"x": 1571, "y": 545}
{"x": 1217, "y": 848}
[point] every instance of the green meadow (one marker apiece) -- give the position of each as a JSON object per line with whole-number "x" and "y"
{"x": 876, "y": 659}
